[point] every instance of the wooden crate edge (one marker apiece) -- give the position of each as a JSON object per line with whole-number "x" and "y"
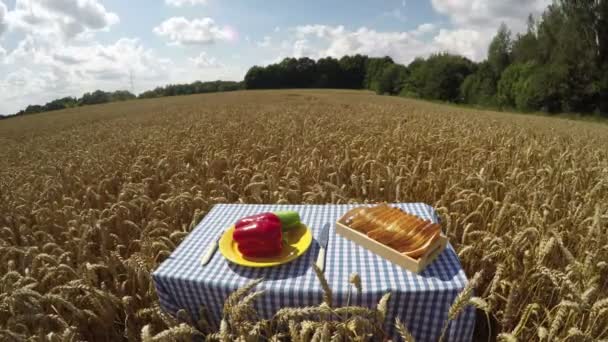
{"x": 404, "y": 261}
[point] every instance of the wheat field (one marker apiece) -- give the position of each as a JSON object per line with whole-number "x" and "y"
{"x": 92, "y": 199}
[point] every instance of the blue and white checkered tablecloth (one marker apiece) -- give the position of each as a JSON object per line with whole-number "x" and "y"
{"x": 421, "y": 301}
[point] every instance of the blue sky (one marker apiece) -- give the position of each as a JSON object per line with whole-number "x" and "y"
{"x": 54, "y": 48}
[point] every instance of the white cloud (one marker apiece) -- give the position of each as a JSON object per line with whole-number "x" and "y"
{"x": 180, "y": 3}
{"x": 265, "y": 42}
{"x": 489, "y": 13}
{"x": 25, "y": 50}
{"x": 203, "y": 61}
{"x": 57, "y": 53}
{"x": 302, "y": 48}
{"x": 321, "y": 31}
{"x": 88, "y": 13}
{"x": 22, "y": 77}
{"x": 38, "y": 72}
{"x": 63, "y": 19}
{"x": 118, "y": 60}
{"x": 3, "y": 24}
{"x": 208, "y": 68}
{"x": 181, "y": 31}
{"x": 320, "y": 40}
{"x": 25, "y": 86}
{"x": 424, "y": 29}
{"x": 317, "y": 41}
{"x": 476, "y": 21}
{"x": 464, "y": 42}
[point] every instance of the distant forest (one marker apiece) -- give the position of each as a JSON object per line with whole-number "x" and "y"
{"x": 100, "y": 96}
{"x": 560, "y": 64}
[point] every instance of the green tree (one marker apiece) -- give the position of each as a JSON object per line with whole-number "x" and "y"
{"x": 548, "y": 34}
{"x": 374, "y": 69}
{"x": 255, "y": 78}
{"x": 524, "y": 47}
{"x": 439, "y": 77}
{"x": 500, "y": 50}
{"x": 576, "y": 52}
{"x": 98, "y": 96}
{"x": 511, "y": 83}
{"x": 328, "y": 73}
{"x": 286, "y": 75}
{"x": 542, "y": 89}
{"x": 353, "y": 71}
{"x": 121, "y": 95}
{"x": 66, "y": 102}
{"x": 415, "y": 79}
{"x": 391, "y": 79}
{"x": 480, "y": 87}
{"x": 31, "y": 109}
{"x": 306, "y": 72}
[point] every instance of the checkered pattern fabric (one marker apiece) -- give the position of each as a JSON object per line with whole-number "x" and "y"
{"x": 421, "y": 301}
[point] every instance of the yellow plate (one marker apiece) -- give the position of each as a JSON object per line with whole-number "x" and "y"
{"x": 297, "y": 242}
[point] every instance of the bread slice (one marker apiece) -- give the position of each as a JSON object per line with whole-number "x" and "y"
{"x": 393, "y": 227}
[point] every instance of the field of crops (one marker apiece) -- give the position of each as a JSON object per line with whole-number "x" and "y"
{"x": 93, "y": 199}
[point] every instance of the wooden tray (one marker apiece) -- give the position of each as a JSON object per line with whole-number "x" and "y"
{"x": 406, "y": 262}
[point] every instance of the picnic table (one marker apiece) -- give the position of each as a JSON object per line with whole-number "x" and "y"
{"x": 421, "y": 301}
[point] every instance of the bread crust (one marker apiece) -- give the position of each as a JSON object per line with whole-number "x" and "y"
{"x": 393, "y": 227}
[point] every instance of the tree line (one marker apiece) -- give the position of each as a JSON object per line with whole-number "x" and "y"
{"x": 197, "y": 87}
{"x": 95, "y": 97}
{"x": 100, "y": 96}
{"x": 439, "y": 76}
{"x": 350, "y": 72}
{"x": 560, "y": 64}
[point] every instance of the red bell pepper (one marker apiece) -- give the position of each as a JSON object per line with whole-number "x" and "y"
{"x": 289, "y": 219}
{"x": 259, "y": 235}
{"x": 255, "y": 218}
